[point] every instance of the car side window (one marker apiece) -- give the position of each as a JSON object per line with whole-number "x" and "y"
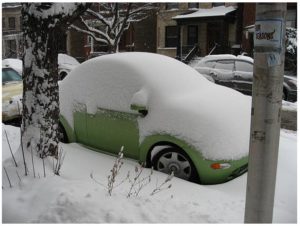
{"x": 9, "y": 75}
{"x": 224, "y": 65}
{"x": 243, "y": 66}
{"x": 210, "y": 64}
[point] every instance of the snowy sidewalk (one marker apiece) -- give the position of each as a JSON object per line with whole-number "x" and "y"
{"x": 74, "y": 197}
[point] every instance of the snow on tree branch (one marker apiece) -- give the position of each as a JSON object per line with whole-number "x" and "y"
{"x": 110, "y": 20}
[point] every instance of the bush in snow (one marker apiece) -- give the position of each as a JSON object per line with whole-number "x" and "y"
{"x": 59, "y": 161}
{"x": 291, "y": 49}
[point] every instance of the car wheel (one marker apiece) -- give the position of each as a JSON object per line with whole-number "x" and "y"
{"x": 175, "y": 160}
{"x": 62, "y": 135}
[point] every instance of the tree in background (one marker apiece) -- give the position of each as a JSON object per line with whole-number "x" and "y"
{"x": 42, "y": 22}
{"x": 107, "y": 23}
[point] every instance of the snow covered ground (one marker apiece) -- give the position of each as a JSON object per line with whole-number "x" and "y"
{"x": 74, "y": 197}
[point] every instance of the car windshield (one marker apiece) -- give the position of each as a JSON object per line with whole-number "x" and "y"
{"x": 10, "y": 75}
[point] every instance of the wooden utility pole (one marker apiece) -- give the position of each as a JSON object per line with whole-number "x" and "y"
{"x": 269, "y": 46}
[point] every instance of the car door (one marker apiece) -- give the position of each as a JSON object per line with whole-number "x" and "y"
{"x": 223, "y": 72}
{"x": 80, "y": 124}
{"x": 243, "y": 76}
{"x": 109, "y": 130}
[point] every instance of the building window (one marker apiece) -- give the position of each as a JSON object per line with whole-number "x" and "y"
{"x": 11, "y": 48}
{"x": 192, "y": 35}
{"x": 89, "y": 40}
{"x": 171, "y": 36}
{"x": 3, "y": 22}
{"x": 193, "y": 5}
{"x": 172, "y": 6}
{"x": 21, "y": 23}
{"x": 11, "y": 23}
{"x": 216, "y": 4}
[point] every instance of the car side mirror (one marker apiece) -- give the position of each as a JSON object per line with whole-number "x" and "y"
{"x": 142, "y": 110}
{"x": 139, "y": 102}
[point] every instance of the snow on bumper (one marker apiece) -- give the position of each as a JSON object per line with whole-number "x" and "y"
{"x": 12, "y": 109}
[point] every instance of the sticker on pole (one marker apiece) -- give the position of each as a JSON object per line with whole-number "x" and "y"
{"x": 268, "y": 33}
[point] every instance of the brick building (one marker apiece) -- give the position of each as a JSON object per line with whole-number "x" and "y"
{"x": 11, "y": 30}
{"x": 210, "y": 26}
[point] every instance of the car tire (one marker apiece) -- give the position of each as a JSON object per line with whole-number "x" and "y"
{"x": 174, "y": 159}
{"x": 62, "y": 135}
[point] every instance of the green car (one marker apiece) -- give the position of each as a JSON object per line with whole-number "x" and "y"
{"x": 161, "y": 111}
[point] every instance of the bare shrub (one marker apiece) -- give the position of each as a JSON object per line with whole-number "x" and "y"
{"x": 137, "y": 183}
{"x": 111, "y": 179}
{"x": 59, "y": 161}
{"x": 163, "y": 185}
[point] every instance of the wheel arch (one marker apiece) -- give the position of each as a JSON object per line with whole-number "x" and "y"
{"x": 159, "y": 143}
{"x": 152, "y": 141}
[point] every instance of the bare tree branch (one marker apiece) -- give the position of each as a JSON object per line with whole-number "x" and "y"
{"x": 115, "y": 18}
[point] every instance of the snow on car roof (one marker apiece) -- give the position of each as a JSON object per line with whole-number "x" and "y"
{"x": 219, "y": 57}
{"x": 180, "y": 102}
{"x": 225, "y": 57}
{"x": 15, "y": 64}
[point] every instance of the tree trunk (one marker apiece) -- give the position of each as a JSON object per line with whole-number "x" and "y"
{"x": 40, "y": 87}
{"x": 40, "y": 116}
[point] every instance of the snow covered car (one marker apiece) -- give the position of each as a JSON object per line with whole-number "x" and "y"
{"x": 66, "y": 64}
{"x": 161, "y": 111}
{"x": 15, "y": 64}
{"x": 12, "y": 88}
{"x": 237, "y": 72}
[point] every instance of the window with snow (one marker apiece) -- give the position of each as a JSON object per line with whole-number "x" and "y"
{"x": 225, "y": 65}
{"x": 243, "y": 66}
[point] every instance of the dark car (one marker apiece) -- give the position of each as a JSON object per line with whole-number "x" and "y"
{"x": 237, "y": 72}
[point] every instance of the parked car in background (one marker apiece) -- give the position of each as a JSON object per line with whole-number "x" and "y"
{"x": 161, "y": 111}
{"x": 12, "y": 88}
{"x": 237, "y": 72}
{"x": 15, "y": 64}
{"x": 66, "y": 64}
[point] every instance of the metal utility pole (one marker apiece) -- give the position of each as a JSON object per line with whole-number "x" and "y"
{"x": 269, "y": 46}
